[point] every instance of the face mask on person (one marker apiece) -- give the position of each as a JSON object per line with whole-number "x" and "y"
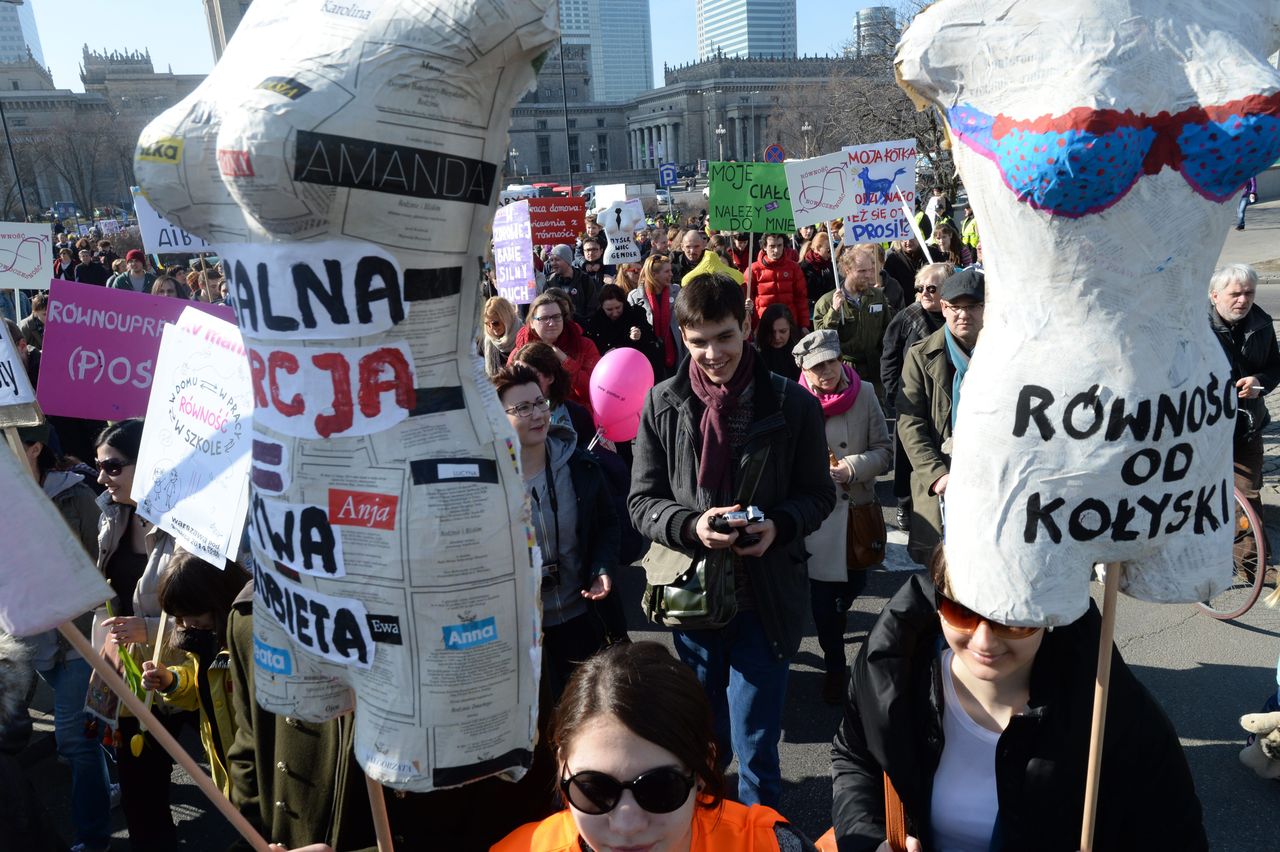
{"x": 202, "y": 643}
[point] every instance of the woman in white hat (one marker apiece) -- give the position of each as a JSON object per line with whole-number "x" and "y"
{"x": 860, "y": 450}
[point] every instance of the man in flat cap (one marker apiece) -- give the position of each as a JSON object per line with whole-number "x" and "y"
{"x": 928, "y": 400}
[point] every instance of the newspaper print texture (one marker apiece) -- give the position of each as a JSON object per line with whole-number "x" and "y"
{"x": 1103, "y": 145}
{"x": 342, "y": 159}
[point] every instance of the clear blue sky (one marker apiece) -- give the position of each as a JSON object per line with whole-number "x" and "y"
{"x": 176, "y": 33}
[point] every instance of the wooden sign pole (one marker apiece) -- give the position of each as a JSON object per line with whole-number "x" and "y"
{"x": 1114, "y": 571}
{"x": 162, "y": 736}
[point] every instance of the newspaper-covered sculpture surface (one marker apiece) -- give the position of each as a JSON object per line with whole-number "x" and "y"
{"x": 1103, "y": 144}
{"x": 342, "y": 159}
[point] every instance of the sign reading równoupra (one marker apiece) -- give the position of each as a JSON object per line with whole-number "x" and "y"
{"x": 100, "y": 349}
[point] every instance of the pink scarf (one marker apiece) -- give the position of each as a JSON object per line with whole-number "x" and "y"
{"x": 834, "y": 404}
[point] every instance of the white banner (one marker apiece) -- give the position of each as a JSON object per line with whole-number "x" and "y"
{"x": 192, "y": 475}
{"x": 46, "y": 577}
{"x": 159, "y": 235}
{"x": 884, "y": 174}
{"x": 822, "y": 188}
{"x": 26, "y": 258}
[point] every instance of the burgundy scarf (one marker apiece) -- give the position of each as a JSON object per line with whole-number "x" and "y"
{"x": 715, "y": 467}
{"x": 660, "y": 305}
{"x": 835, "y": 404}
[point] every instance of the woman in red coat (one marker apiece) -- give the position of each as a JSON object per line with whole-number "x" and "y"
{"x": 549, "y": 323}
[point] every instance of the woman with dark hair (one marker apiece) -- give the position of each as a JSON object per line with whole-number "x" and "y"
{"x": 947, "y": 247}
{"x": 573, "y": 521}
{"x": 775, "y": 338}
{"x": 133, "y": 555}
{"x": 554, "y": 382}
{"x": 198, "y": 597}
{"x": 640, "y": 773}
{"x": 617, "y": 323}
{"x": 549, "y": 323}
{"x": 167, "y": 285}
{"x": 983, "y": 730}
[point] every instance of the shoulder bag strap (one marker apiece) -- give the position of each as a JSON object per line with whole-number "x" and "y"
{"x": 895, "y": 818}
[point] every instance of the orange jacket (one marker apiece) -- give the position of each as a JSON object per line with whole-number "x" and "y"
{"x": 731, "y": 827}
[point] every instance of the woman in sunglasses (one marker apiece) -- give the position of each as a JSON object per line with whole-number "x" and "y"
{"x": 912, "y": 324}
{"x": 639, "y": 773}
{"x": 133, "y": 555}
{"x": 574, "y": 524}
{"x": 983, "y": 730}
{"x": 501, "y": 325}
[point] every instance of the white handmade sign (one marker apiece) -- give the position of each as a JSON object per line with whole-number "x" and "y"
{"x": 192, "y": 474}
{"x": 159, "y": 235}
{"x": 46, "y": 577}
{"x": 620, "y": 221}
{"x": 822, "y": 188}
{"x": 1095, "y": 421}
{"x": 885, "y": 177}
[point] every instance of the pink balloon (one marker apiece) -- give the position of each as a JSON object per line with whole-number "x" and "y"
{"x": 619, "y": 384}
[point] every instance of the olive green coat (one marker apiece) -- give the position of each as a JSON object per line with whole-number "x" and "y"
{"x": 924, "y": 429}
{"x": 860, "y": 328}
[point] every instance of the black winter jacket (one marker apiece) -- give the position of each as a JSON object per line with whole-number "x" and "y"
{"x": 795, "y": 490}
{"x": 893, "y": 723}
{"x": 912, "y": 324}
{"x": 610, "y": 334}
{"x": 1250, "y": 346}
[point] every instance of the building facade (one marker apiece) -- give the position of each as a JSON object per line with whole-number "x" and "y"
{"x": 746, "y": 28}
{"x": 677, "y": 123}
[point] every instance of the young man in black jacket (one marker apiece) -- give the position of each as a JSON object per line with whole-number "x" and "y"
{"x": 700, "y": 431}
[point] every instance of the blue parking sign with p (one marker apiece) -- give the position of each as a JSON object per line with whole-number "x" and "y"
{"x": 667, "y": 174}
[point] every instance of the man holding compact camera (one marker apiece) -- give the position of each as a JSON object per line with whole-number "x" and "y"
{"x": 721, "y": 433}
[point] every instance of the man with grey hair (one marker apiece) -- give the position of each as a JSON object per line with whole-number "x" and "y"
{"x": 1249, "y": 340}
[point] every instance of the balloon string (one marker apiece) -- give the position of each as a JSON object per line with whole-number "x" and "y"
{"x": 596, "y": 439}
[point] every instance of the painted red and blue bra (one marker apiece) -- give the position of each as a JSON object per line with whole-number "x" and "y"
{"x": 1083, "y": 162}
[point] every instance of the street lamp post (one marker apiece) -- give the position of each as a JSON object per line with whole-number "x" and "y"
{"x": 720, "y": 132}
{"x": 806, "y": 129}
{"x": 515, "y": 168}
{"x": 592, "y": 165}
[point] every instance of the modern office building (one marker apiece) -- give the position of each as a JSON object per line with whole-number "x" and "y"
{"x": 613, "y": 36}
{"x": 223, "y": 17}
{"x": 875, "y": 32}
{"x": 746, "y": 28}
{"x": 18, "y": 33}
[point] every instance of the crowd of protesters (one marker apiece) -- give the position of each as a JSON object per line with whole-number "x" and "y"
{"x": 793, "y": 354}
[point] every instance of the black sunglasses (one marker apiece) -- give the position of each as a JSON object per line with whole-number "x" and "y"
{"x": 931, "y": 288}
{"x": 111, "y": 467}
{"x": 659, "y": 791}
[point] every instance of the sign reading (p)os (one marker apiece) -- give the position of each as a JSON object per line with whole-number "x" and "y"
{"x": 100, "y": 348}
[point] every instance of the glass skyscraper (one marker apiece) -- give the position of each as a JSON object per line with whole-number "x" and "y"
{"x": 746, "y": 28}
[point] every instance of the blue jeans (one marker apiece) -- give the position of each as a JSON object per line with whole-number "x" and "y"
{"x": 90, "y": 797}
{"x": 747, "y": 687}
{"x": 1244, "y": 203}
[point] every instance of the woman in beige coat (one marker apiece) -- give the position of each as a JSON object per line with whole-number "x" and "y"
{"x": 859, "y": 448}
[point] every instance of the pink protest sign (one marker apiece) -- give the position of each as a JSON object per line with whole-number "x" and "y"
{"x": 100, "y": 349}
